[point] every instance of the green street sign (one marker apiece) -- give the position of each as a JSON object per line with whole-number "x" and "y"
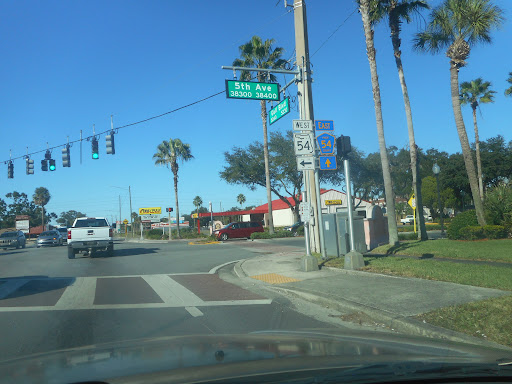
{"x": 279, "y": 110}
{"x": 251, "y": 90}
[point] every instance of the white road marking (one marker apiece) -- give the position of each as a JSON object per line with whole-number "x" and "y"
{"x": 10, "y": 286}
{"x": 78, "y": 295}
{"x": 171, "y": 292}
{"x": 215, "y": 269}
{"x": 194, "y": 311}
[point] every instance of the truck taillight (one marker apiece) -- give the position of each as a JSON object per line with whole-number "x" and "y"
{"x": 110, "y": 232}
{"x": 69, "y": 234}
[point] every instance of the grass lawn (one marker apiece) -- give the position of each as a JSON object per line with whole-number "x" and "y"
{"x": 488, "y": 319}
{"x": 488, "y": 250}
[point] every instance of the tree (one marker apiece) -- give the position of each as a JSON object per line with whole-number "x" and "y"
{"x": 259, "y": 54}
{"x": 240, "y": 199}
{"x": 168, "y": 154}
{"x": 244, "y": 167}
{"x": 41, "y": 197}
{"x": 197, "y": 203}
{"x": 364, "y": 9}
{"x": 67, "y": 218}
{"x": 458, "y": 25}
{"x": 448, "y": 199}
{"x": 475, "y": 93}
{"x": 3, "y": 211}
{"x": 398, "y": 11}
{"x": 508, "y": 91}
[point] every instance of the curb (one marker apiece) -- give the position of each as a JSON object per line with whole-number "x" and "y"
{"x": 215, "y": 269}
{"x": 398, "y": 323}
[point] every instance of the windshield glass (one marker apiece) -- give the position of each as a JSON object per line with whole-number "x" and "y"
{"x": 90, "y": 223}
{"x": 250, "y": 173}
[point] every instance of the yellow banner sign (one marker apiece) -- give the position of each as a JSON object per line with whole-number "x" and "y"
{"x": 332, "y": 202}
{"x": 194, "y": 215}
{"x": 150, "y": 211}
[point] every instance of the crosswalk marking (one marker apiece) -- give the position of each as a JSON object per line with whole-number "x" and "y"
{"x": 78, "y": 295}
{"x": 171, "y": 292}
{"x": 194, "y": 311}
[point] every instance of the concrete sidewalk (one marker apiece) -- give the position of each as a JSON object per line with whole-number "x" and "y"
{"x": 389, "y": 300}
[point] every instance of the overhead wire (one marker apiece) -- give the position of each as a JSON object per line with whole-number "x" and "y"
{"x": 336, "y": 30}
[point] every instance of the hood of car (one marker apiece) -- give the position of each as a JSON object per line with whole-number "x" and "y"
{"x": 218, "y": 357}
{"x": 48, "y": 237}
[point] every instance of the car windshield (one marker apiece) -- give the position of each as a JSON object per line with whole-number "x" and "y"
{"x": 90, "y": 223}
{"x": 49, "y": 233}
{"x": 225, "y": 181}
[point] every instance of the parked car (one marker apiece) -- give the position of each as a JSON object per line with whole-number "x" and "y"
{"x": 238, "y": 230}
{"x": 64, "y": 234}
{"x": 409, "y": 219}
{"x": 13, "y": 239}
{"x": 294, "y": 228}
{"x": 51, "y": 238}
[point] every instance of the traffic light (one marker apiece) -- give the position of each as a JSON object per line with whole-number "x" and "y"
{"x": 168, "y": 209}
{"x": 44, "y": 165}
{"x": 47, "y": 155}
{"x": 30, "y": 167}
{"x": 52, "y": 164}
{"x": 111, "y": 148}
{"x": 95, "y": 152}
{"x": 66, "y": 158}
{"x": 10, "y": 170}
{"x": 343, "y": 146}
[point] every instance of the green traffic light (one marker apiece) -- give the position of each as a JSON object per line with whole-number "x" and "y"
{"x": 95, "y": 156}
{"x": 52, "y": 167}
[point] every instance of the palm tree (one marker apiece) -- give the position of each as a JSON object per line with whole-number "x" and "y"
{"x": 241, "y": 200}
{"x": 41, "y": 197}
{"x": 508, "y": 91}
{"x": 398, "y": 11}
{"x": 197, "y": 203}
{"x": 457, "y": 25}
{"x": 259, "y": 54}
{"x": 475, "y": 93}
{"x": 364, "y": 9}
{"x": 169, "y": 154}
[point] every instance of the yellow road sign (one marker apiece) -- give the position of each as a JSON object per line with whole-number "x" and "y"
{"x": 150, "y": 211}
{"x": 194, "y": 215}
{"x": 125, "y": 221}
{"x": 412, "y": 202}
{"x": 332, "y": 202}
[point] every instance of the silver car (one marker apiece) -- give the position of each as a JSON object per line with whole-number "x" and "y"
{"x": 14, "y": 239}
{"x": 49, "y": 239}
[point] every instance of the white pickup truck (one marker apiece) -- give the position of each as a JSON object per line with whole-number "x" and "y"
{"x": 90, "y": 234}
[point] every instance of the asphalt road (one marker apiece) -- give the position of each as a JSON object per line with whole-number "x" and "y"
{"x": 48, "y": 302}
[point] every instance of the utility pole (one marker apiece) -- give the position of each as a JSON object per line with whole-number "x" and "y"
{"x": 120, "y": 216}
{"x": 131, "y": 218}
{"x": 309, "y": 263}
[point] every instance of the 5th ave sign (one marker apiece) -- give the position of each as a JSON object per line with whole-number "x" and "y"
{"x": 251, "y": 90}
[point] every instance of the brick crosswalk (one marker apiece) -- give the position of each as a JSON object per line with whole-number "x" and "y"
{"x": 188, "y": 291}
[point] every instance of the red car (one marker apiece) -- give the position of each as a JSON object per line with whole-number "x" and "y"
{"x": 238, "y": 230}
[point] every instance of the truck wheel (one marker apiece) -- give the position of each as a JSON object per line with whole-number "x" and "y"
{"x": 110, "y": 251}
{"x": 71, "y": 253}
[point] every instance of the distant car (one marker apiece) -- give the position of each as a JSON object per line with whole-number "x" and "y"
{"x": 64, "y": 234}
{"x": 238, "y": 230}
{"x": 51, "y": 238}
{"x": 409, "y": 219}
{"x": 13, "y": 239}
{"x": 294, "y": 228}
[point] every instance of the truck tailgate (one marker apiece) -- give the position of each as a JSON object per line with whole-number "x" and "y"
{"x": 89, "y": 234}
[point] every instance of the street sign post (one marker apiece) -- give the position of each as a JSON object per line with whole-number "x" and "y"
{"x": 303, "y": 125}
{"x": 281, "y": 109}
{"x": 326, "y": 143}
{"x": 305, "y": 212}
{"x": 324, "y": 125}
{"x": 251, "y": 90}
{"x": 154, "y": 218}
{"x": 328, "y": 163}
{"x": 303, "y": 143}
{"x": 305, "y": 163}
{"x": 412, "y": 203}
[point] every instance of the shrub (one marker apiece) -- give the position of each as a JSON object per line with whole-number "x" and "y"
{"x": 460, "y": 222}
{"x": 260, "y": 235}
{"x": 472, "y": 233}
{"x": 495, "y": 231}
{"x": 498, "y": 205}
{"x": 408, "y": 236}
{"x": 266, "y": 235}
{"x": 300, "y": 231}
{"x": 153, "y": 234}
{"x": 190, "y": 233}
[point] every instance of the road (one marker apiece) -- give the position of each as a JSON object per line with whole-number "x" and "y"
{"x": 48, "y": 302}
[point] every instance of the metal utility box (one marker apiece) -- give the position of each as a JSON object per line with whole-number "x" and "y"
{"x": 336, "y": 233}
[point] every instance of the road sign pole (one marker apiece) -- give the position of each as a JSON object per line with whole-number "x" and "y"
{"x": 306, "y": 225}
{"x": 346, "y": 167}
{"x": 169, "y": 225}
{"x": 131, "y": 218}
{"x": 320, "y": 223}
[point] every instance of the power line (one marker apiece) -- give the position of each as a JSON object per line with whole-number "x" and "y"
{"x": 118, "y": 128}
{"x": 336, "y": 30}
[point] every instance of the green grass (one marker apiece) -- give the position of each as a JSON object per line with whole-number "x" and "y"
{"x": 487, "y": 250}
{"x": 470, "y": 274}
{"x": 487, "y": 319}
{"x": 334, "y": 262}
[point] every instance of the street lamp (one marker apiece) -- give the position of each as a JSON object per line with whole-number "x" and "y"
{"x": 436, "y": 169}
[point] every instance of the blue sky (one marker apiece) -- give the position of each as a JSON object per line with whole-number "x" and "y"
{"x": 67, "y": 65}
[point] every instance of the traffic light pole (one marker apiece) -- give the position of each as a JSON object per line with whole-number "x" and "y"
{"x": 131, "y": 218}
